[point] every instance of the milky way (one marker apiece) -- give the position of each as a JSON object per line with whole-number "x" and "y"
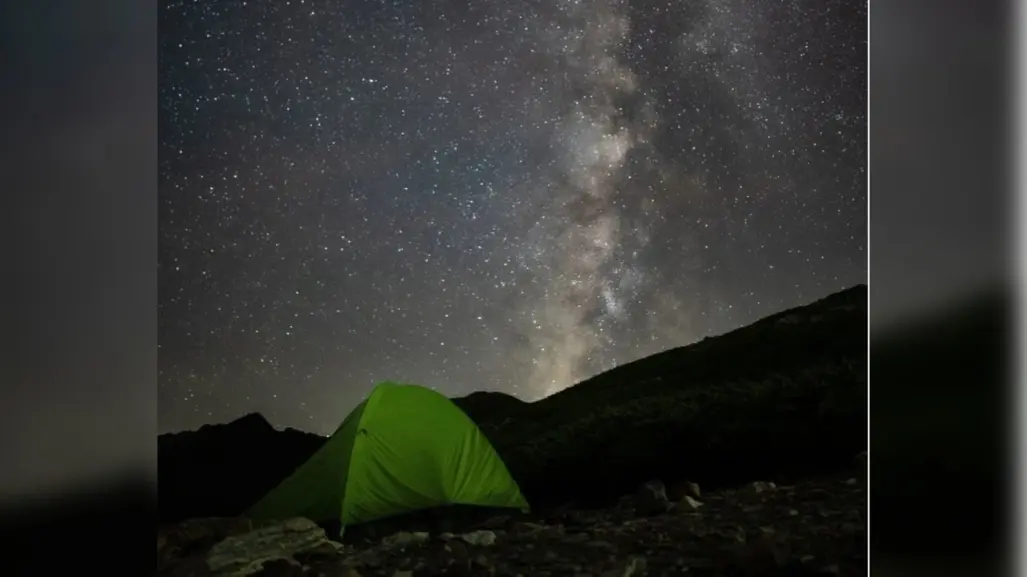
{"x": 490, "y": 196}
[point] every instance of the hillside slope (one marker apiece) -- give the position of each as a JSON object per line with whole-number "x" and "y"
{"x": 219, "y": 470}
{"x": 784, "y": 395}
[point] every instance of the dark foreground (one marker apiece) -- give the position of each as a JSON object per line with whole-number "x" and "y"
{"x": 785, "y": 396}
{"x": 810, "y": 527}
{"x": 783, "y": 399}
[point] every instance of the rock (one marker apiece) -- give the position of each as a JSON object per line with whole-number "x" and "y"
{"x": 600, "y": 544}
{"x": 633, "y": 566}
{"x": 197, "y": 535}
{"x": 405, "y": 539}
{"x": 739, "y": 534}
{"x": 481, "y": 561}
{"x": 481, "y": 538}
{"x": 583, "y": 518}
{"x": 851, "y": 481}
{"x": 693, "y": 490}
{"x": 830, "y": 570}
{"x": 246, "y": 554}
{"x": 679, "y": 489}
{"x": 494, "y": 522}
{"x": 280, "y": 568}
{"x": 365, "y": 558}
{"x": 762, "y": 487}
{"x": 763, "y": 556}
{"x": 654, "y": 489}
{"x": 458, "y": 549}
{"x": 687, "y": 503}
{"x": 651, "y": 499}
{"x": 526, "y": 528}
{"x": 552, "y": 532}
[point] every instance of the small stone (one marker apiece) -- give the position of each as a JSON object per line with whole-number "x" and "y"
{"x": 678, "y": 489}
{"x": 552, "y": 532}
{"x": 687, "y": 503}
{"x": 634, "y": 566}
{"x": 327, "y": 549}
{"x": 458, "y": 549}
{"x": 526, "y": 528}
{"x": 793, "y": 512}
{"x": 693, "y": 490}
{"x": 806, "y": 558}
{"x": 274, "y": 544}
{"x": 365, "y": 558}
{"x": 481, "y": 538}
{"x": 761, "y": 487}
{"x": 830, "y": 570}
{"x": 739, "y": 534}
{"x": 850, "y": 481}
{"x": 651, "y": 499}
{"x": 762, "y": 556}
{"x": 481, "y": 561}
{"x": 404, "y": 539}
{"x": 576, "y": 538}
{"x": 495, "y": 522}
{"x": 654, "y": 488}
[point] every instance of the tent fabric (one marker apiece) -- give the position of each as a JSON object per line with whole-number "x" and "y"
{"x": 403, "y": 449}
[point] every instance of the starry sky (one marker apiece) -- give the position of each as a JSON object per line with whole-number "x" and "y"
{"x": 490, "y": 195}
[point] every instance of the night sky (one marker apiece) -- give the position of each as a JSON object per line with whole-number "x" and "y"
{"x": 490, "y": 195}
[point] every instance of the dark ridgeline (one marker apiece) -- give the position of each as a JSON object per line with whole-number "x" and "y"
{"x": 782, "y": 397}
{"x": 219, "y": 470}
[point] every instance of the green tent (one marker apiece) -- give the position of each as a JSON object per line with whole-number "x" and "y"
{"x": 403, "y": 449}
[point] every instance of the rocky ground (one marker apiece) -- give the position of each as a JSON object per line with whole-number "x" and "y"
{"x": 815, "y": 526}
